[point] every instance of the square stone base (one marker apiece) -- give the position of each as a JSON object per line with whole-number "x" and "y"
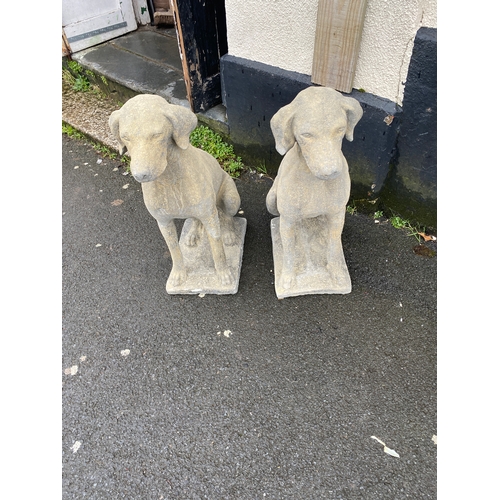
{"x": 312, "y": 274}
{"x": 201, "y": 276}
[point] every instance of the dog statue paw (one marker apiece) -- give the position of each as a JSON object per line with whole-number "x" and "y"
{"x": 311, "y": 191}
{"x": 180, "y": 181}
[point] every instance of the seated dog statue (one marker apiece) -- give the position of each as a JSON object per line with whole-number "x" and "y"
{"x": 179, "y": 181}
{"x": 311, "y": 191}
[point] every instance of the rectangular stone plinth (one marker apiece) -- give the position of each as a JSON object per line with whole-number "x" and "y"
{"x": 312, "y": 275}
{"x": 201, "y": 276}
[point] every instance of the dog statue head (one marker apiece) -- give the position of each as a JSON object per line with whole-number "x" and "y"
{"x": 317, "y": 120}
{"x": 147, "y": 126}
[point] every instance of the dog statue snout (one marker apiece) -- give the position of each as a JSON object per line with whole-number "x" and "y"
{"x": 142, "y": 176}
{"x": 327, "y": 172}
{"x": 147, "y": 164}
{"x": 325, "y": 163}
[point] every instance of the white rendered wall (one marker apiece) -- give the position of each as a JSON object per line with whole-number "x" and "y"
{"x": 281, "y": 33}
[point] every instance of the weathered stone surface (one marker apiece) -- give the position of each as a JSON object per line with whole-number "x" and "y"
{"x": 311, "y": 191}
{"x": 201, "y": 274}
{"x": 180, "y": 181}
{"x": 312, "y": 272}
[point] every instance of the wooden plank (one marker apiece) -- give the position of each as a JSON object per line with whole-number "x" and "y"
{"x": 182, "y": 50}
{"x": 164, "y": 17}
{"x": 339, "y": 26}
{"x": 66, "y": 50}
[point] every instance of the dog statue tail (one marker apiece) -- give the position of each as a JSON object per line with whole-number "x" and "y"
{"x": 271, "y": 201}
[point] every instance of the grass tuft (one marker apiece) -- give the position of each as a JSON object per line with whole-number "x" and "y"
{"x": 206, "y": 139}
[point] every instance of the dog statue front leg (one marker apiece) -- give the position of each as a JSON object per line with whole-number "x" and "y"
{"x": 336, "y": 264}
{"x": 194, "y": 235}
{"x": 287, "y": 234}
{"x": 178, "y": 274}
{"x": 212, "y": 227}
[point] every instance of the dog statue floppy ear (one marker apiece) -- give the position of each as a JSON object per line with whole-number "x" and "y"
{"x": 114, "y": 125}
{"x": 183, "y": 122}
{"x": 354, "y": 113}
{"x": 281, "y": 126}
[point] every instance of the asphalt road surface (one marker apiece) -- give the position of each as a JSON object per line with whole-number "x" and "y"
{"x": 239, "y": 396}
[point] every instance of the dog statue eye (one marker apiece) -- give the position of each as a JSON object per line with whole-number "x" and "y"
{"x": 306, "y": 135}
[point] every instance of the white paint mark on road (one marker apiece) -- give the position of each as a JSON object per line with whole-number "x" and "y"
{"x": 386, "y": 449}
{"x": 76, "y": 446}
{"x": 226, "y": 333}
{"x": 71, "y": 371}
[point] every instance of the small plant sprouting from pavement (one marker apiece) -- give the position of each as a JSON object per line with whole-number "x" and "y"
{"x": 351, "y": 209}
{"x": 103, "y": 150}
{"x": 397, "y": 222}
{"x": 81, "y": 84}
{"x": 261, "y": 169}
{"x": 71, "y": 132}
{"x": 400, "y": 223}
{"x": 78, "y": 78}
{"x": 206, "y": 139}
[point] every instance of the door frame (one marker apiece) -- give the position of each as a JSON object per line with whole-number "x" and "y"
{"x": 202, "y": 36}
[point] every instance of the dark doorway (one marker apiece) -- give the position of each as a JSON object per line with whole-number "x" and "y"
{"x": 202, "y": 32}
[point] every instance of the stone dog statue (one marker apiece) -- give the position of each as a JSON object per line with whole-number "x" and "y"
{"x": 311, "y": 191}
{"x": 180, "y": 181}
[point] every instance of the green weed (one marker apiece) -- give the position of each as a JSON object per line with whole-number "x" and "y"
{"x": 81, "y": 84}
{"x": 75, "y": 67}
{"x": 71, "y": 132}
{"x": 103, "y": 150}
{"x": 125, "y": 160}
{"x": 206, "y": 139}
{"x": 351, "y": 209}
{"x": 400, "y": 223}
{"x": 78, "y": 78}
{"x": 262, "y": 169}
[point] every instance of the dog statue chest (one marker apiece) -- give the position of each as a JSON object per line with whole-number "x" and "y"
{"x": 175, "y": 198}
{"x": 303, "y": 195}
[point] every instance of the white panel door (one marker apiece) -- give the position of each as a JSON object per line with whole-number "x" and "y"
{"x": 94, "y": 21}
